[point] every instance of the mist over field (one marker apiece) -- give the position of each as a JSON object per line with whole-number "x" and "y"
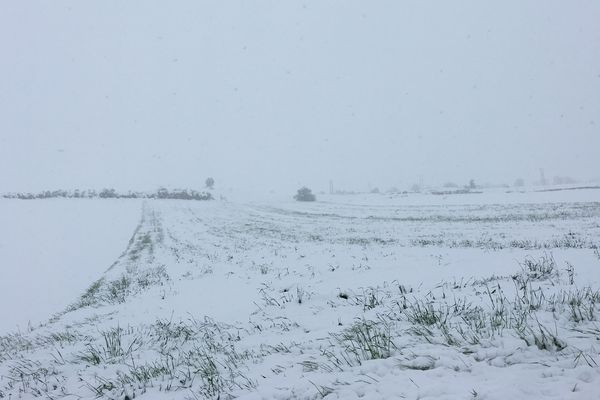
{"x": 268, "y": 95}
{"x": 299, "y": 200}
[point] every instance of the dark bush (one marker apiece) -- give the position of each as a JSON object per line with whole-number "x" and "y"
{"x": 305, "y": 194}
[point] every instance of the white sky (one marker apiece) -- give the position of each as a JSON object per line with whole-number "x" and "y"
{"x": 273, "y": 94}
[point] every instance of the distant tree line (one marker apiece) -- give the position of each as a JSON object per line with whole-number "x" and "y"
{"x": 162, "y": 193}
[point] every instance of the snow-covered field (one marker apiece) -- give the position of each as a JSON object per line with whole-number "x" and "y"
{"x": 491, "y": 296}
{"x": 51, "y": 250}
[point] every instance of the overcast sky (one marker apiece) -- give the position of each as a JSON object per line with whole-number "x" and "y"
{"x": 274, "y": 94}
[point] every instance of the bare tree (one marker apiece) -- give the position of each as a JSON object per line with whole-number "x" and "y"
{"x": 210, "y": 183}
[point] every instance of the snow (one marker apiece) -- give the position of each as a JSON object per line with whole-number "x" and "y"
{"x": 51, "y": 250}
{"x": 272, "y": 300}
